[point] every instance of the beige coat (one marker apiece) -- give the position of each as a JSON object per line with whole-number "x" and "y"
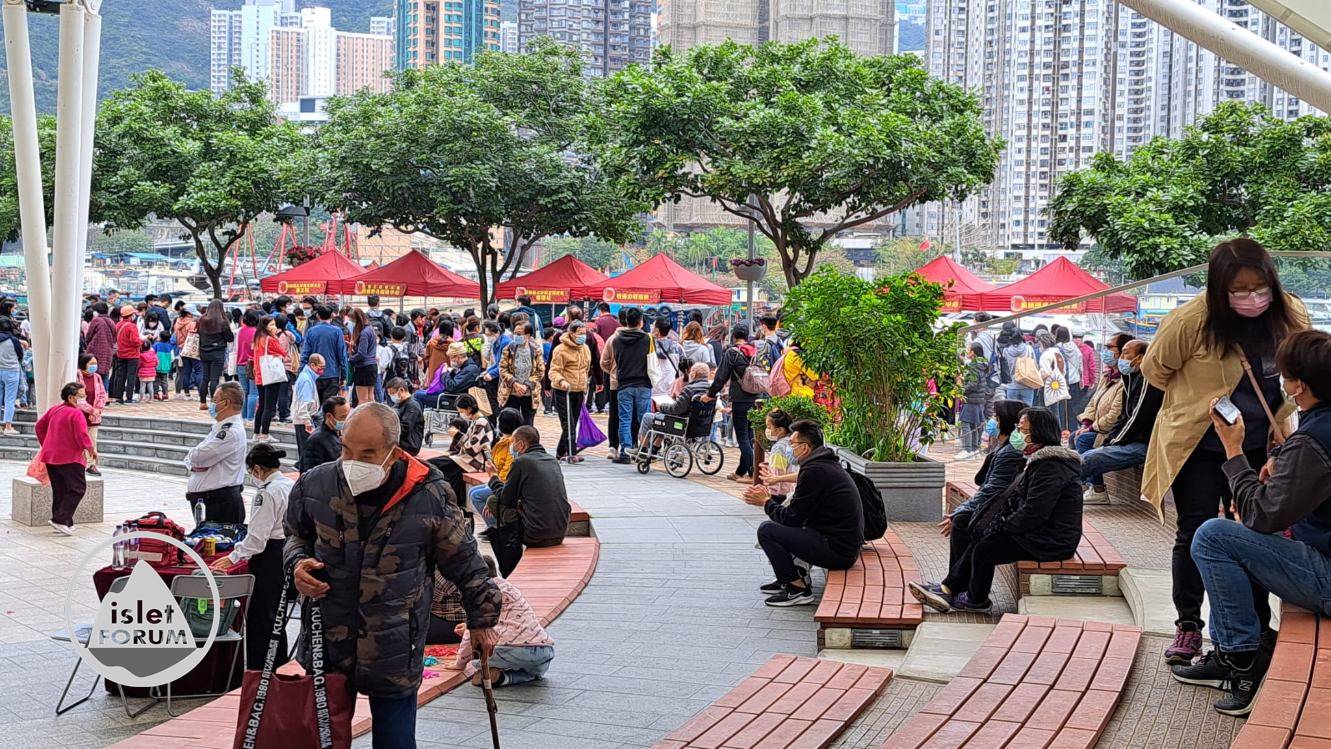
{"x": 570, "y": 366}
{"x": 608, "y": 364}
{"x": 1104, "y": 408}
{"x": 1190, "y": 373}
{"x": 508, "y": 372}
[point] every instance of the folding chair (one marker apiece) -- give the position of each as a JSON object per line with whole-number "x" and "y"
{"x": 234, "y": 591}
{"x": 82, "y": 633}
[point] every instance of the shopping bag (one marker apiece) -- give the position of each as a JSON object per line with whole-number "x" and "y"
{"x": 273, "y": 369}
{"x": 37, "y": 469}
{"x": 276, "y": 709}
{"x": 588, "y": 434}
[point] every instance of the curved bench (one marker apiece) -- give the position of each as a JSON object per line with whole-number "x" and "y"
{"x": 579, "y": 522}
{"x": 1035, "y": 681}
{"x": 867, "y": 606}
{"x": 1293, "y": 707}
{"x": 550, "y": 579}
{"x": 790, "y": 702}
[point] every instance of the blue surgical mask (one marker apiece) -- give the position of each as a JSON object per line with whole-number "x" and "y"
{"x": 338, "y": 426}
{"x": 991, "y": 428}
{"x": 212, "y": 410}
{"x": 519, "y": 339}
{"x": 581, "y": 339}
{"x": 1125, "y": 366}
{"x": 1106, "y": 357}
{"x": 92, "y": 369}
{"x": 1017, "y": 440}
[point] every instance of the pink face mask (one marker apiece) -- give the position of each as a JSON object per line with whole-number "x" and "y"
{"x": 1250, "y": 305}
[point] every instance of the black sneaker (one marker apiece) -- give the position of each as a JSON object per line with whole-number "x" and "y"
{"x": 931, "y": 595}
{"x": 776, "y": 586}
{"x": 791, "y": 596}
{"x": 1244, "y": 683}
{"x": 962, "y": 602}
{"x": 1207, "y": 672}
{"x": 621, "y": 459}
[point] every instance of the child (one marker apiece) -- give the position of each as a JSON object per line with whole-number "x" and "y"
{"x": 166, "y": 358}
{"x": 147, "y": 370}
{"x": 524, "y": 651}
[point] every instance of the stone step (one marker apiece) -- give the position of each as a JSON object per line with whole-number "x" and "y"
{"x": 119, "y": 433}
{"x": 121, "y": 462}
{"x": 129, "y": 450}
{"x": 282, "y": 432}
{"x": 1112, "y": 609}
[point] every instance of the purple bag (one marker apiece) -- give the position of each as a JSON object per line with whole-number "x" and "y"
{"x": 588, "y": 434}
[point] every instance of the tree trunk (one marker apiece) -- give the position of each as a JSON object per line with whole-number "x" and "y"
{"x": 214, "y": 273}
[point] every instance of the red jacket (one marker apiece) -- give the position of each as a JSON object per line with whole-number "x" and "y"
{"x": 63, "y": 434}
{"x": 128, "y": 340}
{"x": 148, "y": 365}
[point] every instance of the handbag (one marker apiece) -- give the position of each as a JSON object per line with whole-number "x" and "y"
{"x": 154, "y": 552}
{"x": 655, "y": 372}
{"x": 273, "y": 369}
{"x": 190, "y": 348}
{"x": 275, "y": 709}
{"x": 1027, "y": 374}
{"x": 588, "y": 434}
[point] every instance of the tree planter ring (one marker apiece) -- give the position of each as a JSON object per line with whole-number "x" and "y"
{"x": 912, "y": 492}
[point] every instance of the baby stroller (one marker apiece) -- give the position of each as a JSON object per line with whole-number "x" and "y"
{"x": 680, "y": 442}
{"x": 437, "y": 419}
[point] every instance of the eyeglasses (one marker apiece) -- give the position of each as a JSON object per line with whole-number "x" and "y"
{"x": 1263, "y": 291}
{"x": 800, "y": 442}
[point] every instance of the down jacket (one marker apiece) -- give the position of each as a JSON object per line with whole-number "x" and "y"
{"x": 377, "y": 611}
{"x": 1043, "y": 514}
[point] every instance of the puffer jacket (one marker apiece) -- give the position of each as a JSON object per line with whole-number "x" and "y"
{"x": 570, "y": 366}
{"x": 1105, "y": 408}
{"x": 377, "y": 611}
{"x": 1043, "y": 514}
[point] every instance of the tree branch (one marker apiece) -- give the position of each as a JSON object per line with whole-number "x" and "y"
{"x": 847, "y": 223}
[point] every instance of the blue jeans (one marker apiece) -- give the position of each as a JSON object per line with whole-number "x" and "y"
{"x": 479, "y": 495}
{"x": 520, "y": 663}
{"x": 634, "y": 402}
{"x": 1096, "y": 463}
{"x": 251, "y": 392}
{"x": 1019, "y": 393}
{"x": 1084, "y": 442}
{"x": 9, "y": 379}
{"x": 394, "y": 720}
{"x": 1233, "y": 559}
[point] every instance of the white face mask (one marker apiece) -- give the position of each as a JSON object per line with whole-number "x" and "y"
{"x": 363, "y": 477}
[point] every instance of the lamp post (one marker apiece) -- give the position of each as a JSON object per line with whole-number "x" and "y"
{"x": 748, "y": 305}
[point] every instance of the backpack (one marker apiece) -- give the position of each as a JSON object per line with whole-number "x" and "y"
{"x": 755, "y": 380}
{"x": 871, "y": 500}
{"x": 400, "y": 366}
{"x": 778, "y": 385}
{"x": 1027, "y": 374}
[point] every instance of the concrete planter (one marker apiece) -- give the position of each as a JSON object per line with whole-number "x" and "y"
{"x": 912, "y": 492}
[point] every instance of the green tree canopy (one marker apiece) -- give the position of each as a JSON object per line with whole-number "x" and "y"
{"x": 457, "y": 150}
{"x": 593, "y": 251}
{"x": 10, "y": 227}
{"x": 212, "y": 164}
{"x": 1238, "y": 171}
{"x": 824, "y": 139}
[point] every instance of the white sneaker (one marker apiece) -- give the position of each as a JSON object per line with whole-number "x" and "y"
{"x": 1093, "y": 497}
{"x": 68, "y": 530}
{"x": 10, "y": 431}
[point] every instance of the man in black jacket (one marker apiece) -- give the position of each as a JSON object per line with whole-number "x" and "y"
{"x": 409, "y": 414}
{"x": 365, "y": 535}
{"x": 533, "y": 497}
{"x": 730, "y": 373}
{"x": 1125, "y": 446}
{"x": 324, "y": 445}
{"x": 823, "y": 525}
{"x": 629, "y": 349}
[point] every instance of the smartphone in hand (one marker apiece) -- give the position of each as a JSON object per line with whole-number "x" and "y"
{"x": 1227, "y": 410}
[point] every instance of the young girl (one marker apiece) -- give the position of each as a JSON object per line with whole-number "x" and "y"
{"x": 780, "y": 468}
{"x": 147, "y": 370}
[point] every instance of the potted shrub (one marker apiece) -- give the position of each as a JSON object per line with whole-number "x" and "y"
{"x": 797, "y": 406}
{"x": 749, "y": 270}
{"x": 880, "y": 345}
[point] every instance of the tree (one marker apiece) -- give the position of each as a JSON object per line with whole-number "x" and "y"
{"x": 903, "y": 255}
{"x": 1238, "y": 171}
{"x": 593, "y": 251}
{"x": 119, "y": 241}
{"x": 455, "y": 150}
{"x": 213, "y": 164}
{"x": 823, "y": 139}
{"x": 10, "y": 227}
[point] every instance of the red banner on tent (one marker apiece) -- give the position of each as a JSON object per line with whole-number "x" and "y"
{"x": 301, "y": 288}
{"x": 382, "y": 288}
{"x": 613, "y": 296}
{"x": 543, "y": 296}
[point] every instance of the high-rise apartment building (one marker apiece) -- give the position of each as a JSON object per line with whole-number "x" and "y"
{"x": 320, "y": 52}
{"x": 287, "y": 64}
{"x": 612, "y": 34}
{"x": 224, "y": 48}
{"x": 381, "y": 25}
{"x": 362, "y": 62}
{"x": 866, "y": 26}
{"x": 684, "y": 24}
{"x": 435, "y": 31}
{"x": 508, "y": 37}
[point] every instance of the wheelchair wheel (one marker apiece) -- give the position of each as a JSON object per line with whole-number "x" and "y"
{"x": 644, "y": 463}
{"x": 709, "y": 457}
{"x": 678, "y": 460}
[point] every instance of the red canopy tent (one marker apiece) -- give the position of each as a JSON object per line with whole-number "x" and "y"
{"x": 322, "y": 275}
{"x": 957, "y": 282}
{"x": 1059, "y": 280}
{"x": 564, "y": 279}
{"x": 660, "y": 279}
{"x": 413, "y": 274}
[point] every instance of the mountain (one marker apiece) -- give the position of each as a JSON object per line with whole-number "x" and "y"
{"x": 171, "y": 35}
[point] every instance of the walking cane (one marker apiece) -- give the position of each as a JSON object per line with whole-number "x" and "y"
{"x": 488, "y": 689}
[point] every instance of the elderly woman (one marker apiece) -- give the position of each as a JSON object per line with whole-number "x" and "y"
{"x": 521, "y": 368}
{"x": 62, "y": 433}
{"x": 93, "y": 405}
{"x": 461, "y": 374}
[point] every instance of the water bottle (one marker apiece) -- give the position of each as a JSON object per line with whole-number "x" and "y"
{"x": 118, "y": 547}
{"x": 200, "y": 513}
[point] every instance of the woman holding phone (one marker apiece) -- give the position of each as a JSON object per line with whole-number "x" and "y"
{"x": 1221, "y": 344}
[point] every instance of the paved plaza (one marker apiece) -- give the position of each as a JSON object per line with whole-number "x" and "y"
{"x": 670, "y": 621}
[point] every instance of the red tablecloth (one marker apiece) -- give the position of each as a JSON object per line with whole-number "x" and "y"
{"x": 210, "y": 674}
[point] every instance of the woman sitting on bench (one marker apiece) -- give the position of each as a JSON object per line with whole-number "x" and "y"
{"x": 1038, "y": 518}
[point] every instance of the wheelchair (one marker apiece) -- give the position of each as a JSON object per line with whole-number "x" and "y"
{"x": 437, "y": 419}
{"x": 668, "y": 440}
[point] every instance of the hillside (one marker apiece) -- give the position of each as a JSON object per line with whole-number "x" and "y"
{"x": 172, "y": 35}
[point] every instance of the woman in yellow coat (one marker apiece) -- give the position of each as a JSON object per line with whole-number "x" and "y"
{"x": 1201, "y": 352}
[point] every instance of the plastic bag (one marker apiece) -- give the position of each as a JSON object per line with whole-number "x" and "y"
{"x": 37, "y": 469}
{"x": 588, "y": 434}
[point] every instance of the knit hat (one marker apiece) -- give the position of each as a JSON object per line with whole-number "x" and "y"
{"x": 457, "y": 349}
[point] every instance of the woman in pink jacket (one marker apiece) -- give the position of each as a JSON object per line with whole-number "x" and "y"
{"x": 62, "y": 433}
{"x": 524, "y": 651}
{"x": 94, "y": 404}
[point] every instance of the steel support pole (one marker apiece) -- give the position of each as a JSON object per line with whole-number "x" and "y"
{"x": 1254, "y": 54}
{"x": 28, "y": 169}
{"x": 66, "y": 254}
{"x": 92, "y": 46}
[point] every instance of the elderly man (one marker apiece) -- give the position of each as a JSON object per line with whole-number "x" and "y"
{"x": 364, "y": 537}
{"x": 217, "y": 464}
{"x": 461, "y": 374}
{"x": 531, "y": 507}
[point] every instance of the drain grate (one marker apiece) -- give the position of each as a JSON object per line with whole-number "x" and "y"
{"x": 1077, "y": 585}
{"x": 875, "y": 638}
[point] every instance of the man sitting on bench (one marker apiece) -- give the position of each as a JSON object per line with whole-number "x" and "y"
{"x": 1239, "y": 560}
{"x": 822, "y": 525}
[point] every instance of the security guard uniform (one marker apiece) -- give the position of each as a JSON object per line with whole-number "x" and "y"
{"x": 217, "y": 472}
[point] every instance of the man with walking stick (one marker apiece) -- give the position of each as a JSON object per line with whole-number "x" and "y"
{"x": 364, "y": 534}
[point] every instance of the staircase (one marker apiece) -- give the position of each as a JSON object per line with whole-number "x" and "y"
{"x": 138, "y": 443}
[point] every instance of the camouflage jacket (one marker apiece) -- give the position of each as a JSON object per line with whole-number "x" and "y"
{"x": 377, "y": 611}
